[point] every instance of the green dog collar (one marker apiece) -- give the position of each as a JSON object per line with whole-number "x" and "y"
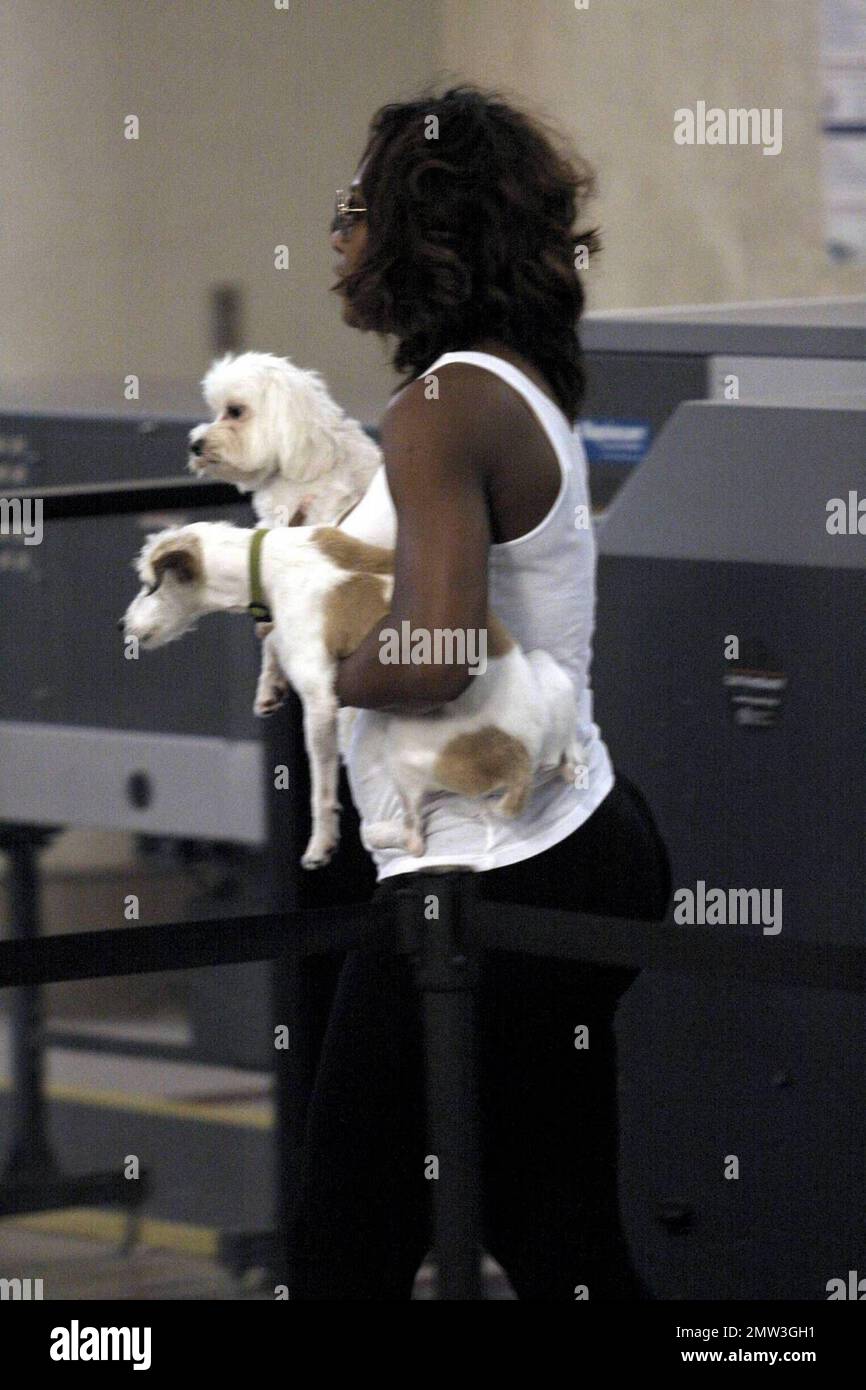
{"x": 257, "y": 606}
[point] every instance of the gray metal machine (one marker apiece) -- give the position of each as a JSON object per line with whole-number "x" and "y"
{"x": 643, "y": 363}
{"x": 752, "y": 755}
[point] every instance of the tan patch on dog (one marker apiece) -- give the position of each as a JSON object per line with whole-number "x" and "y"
{"x": 481, "y": 762}
{"x": 353, "y": 608}
{"x": 352, "y": 554}
{"x": 184, "y": 558}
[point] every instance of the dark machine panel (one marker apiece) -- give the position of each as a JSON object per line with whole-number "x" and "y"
{"x": 41, "y": 449}
{"x": 634, "y": 390}
{"x": 754, "y": 768}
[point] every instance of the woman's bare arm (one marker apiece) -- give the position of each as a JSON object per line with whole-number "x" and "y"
{"x": 435, "y": 463}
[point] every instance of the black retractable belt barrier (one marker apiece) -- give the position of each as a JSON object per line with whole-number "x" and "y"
{"x": 445, "y": 953}
{"x": 499, "y": 926}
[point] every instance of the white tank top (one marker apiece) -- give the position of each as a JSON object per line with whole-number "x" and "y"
{"x": 542, "y": 586}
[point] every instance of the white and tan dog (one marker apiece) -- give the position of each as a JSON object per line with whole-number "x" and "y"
{"x": 278, "y": 434}
{"x": 326, "y": 591}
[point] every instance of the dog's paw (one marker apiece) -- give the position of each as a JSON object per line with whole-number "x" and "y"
{"x": 270, "y": 694}
{"x": 323, "y": 841}
{"x": 269, "y": 701}
{"x": 318, "y": 853}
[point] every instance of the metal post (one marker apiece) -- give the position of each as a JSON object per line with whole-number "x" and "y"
{"x": 284, "y": 745}
{"x": 435, "y": 923}
{"x": 29, "y": 1153}
{"x": 283, "y": 748}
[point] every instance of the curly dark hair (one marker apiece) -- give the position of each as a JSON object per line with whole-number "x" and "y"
{"x": 471, "y": 235}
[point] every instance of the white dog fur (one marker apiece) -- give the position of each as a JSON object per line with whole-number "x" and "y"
{"x": 277, "y": 433}
{"x": 326, "y": 590}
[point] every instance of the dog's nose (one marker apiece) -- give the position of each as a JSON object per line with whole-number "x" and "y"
{"x": 197, "y": 448}
{"x": 121, "y": 624}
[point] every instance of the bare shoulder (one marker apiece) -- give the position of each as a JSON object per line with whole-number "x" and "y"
{"x": 460, "y": 411}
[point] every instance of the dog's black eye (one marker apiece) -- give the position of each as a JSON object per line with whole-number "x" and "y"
{"x": 150, "y": 589}
{"x": 234, "y": 412}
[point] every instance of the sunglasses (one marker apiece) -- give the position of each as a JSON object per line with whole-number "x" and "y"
{"x": 346, "y": 213}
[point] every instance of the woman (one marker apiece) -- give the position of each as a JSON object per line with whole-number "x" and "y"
{"x": 457, "y": 238}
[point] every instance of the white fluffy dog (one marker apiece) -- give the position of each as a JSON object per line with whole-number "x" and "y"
{"x": 278, "y": 434}
{"x": 326, "y": 590}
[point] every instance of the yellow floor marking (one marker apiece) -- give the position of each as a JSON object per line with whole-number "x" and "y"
{"x": 241, "y": 1116}
{"x": 89, "y": 1223}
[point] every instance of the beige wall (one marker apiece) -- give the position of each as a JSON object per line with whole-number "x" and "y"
{"x": 249, "y": 119}
{"x": 682, "y": 224}
{"x": 250, "y": 115}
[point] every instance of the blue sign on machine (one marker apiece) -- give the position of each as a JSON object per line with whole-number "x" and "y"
{"x": 615, "y": 441}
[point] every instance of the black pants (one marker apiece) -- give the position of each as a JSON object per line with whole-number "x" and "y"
{"x": 549, "y": 1129}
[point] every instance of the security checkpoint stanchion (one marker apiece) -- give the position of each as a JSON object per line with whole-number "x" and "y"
{"x": 32, "y": 1179}
{"x": 435, "y": 928}
{"x": 29, "y": 1152}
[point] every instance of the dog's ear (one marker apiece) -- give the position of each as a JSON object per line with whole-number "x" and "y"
{"x": 179, "y": 555}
